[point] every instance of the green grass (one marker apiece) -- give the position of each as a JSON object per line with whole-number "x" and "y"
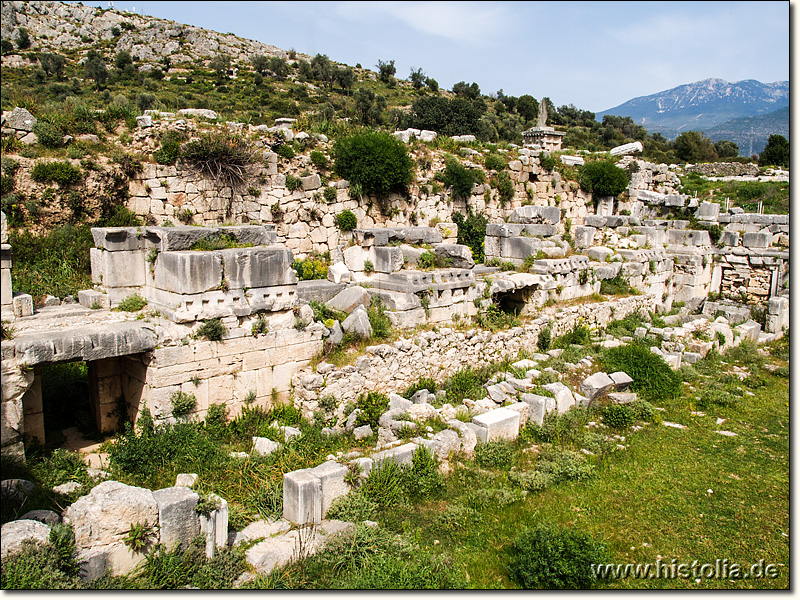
{"x": 745, "y": 194}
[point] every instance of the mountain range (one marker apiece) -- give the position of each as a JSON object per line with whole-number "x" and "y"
{"x": 721, "y": 109}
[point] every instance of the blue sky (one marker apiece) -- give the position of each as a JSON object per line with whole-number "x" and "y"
{"x": 595, "y": 55}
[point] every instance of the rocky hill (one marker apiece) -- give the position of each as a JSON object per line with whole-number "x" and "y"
{"x": 702, "y": 105}
{"x": 751, "y": 133}
{"x": 74, "y": 28}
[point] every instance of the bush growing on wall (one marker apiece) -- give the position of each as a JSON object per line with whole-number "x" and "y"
{"x": 471, "y": 232}
{"x": 603, "y": 178}
{"x": 377, "y": 162}
{"x": 346, "y": 220}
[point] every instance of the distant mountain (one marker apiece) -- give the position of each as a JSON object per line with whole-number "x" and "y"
{"x": 756, "y": 129}
{"x": 702, "y": 105}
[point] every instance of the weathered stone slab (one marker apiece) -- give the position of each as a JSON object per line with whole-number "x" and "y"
{"x": 538, "y": 406}
{"x": 460, "y": 256}
{"x": 302, "y": 497}
{"x": 264, "y": 446}
{"x": 563, "y": 395}
{"x": 536, "y": 214}
{"x": 596, "y": 384}
{"x": 258, "y": 267}
{"x": 188, "y": 272}
{"x": 497, "y": 424}
{"x": 14, "y": 533}
{"x": 178, "y": 522}
{"x": 331, "y": 476}
{"x": 402, "y": 455}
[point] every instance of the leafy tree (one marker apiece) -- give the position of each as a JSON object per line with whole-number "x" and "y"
{"x": 53, "y": 64}
{"x": 776, "y": 152}
{"x": 447, "y": 116}
{"x": 693, "y": 146}
{"x": 369, "y": 106}
{"x": 726, "y": 149}
{"x": 221, "y": 63}
{"x": 417, "y": 78}
{"x": 603, "y": 178}
{"x": 375, "y": 161}
{"x": 305, "y": 70}
{"x": 471, "y": 91}
{"x": 95, "y": 68}
{"x": 386, "y": 71}
{"x": 346, "y": 78}
{"x": 432, "y": 84}
{"x": 123, "y": 60}
{"x": 459, "y": 179}
{"x": 324, "y": 70}
{"x": 527, "y": 107}
{"x": 472, "y": 232}
{"x": 23, "y": 39}
{"x": 278, "y": 66}
{"x": 260, "y": 63}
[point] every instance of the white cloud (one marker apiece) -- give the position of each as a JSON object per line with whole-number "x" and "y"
{"x": 466, "y": 22}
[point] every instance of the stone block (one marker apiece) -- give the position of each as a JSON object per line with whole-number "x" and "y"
{"x": 688, "y": 237}
{"x": 536, "y": 214}
{"x": 311, "y": 182}
{"x": 214, "y": 526}
{"x": 354, "y": 258}
{"x": 187, "y": 272}
{"x": 622, "y": 397}
{"x": 564, "y": 398}
{"x": 621, "y": 380}
{"x": 105, "y": 515}
{"x": 497, "y": 424}
{"x": 599, "y": 253}
{"x": 362, "y": 432}
{"x": 402, "y": 455}
{"x": 186, "y": 480}
{"x": 458, "y": 255}
{"x": 258, "y": 267}
{"x": 115, "y": 239}
{"x": 749, "y": 331}
{"x": 14, "y": 533}
{"x": 264, "y": 446}
{"x": 729, "y": 238}
{"x": 538, "y": 406}
{"x": 23, "y": 304}
{"x": 524, "y": 411}
{"x": 466, "y": 435}
{"x": 358, "y": 323}
{"x": 339, "y": 273}
{"x": 302, "y": 497}
{"x": 93, "y": 299}
{"x": 386, "y": 259}
{"x": 596, "y": 384}
{"x": 584, "y": 236}
{"x": 331, "y": 476}
{"x": 707, "y": 211}
{"x": 178, "y": 522}
{"x": 757, "y": 240}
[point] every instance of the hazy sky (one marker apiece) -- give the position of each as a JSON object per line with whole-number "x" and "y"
{"x": 595, "y": 55}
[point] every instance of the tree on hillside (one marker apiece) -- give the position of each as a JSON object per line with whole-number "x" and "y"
{"x": 278, "y": 66}
{"x": 221, "y": 64}
{"x": 693, "y": 146}
{"x": 468, "y": 91}
{"x": 726, "y": 149}
{"x": 457, "y": 116}
{"x": 260, "y": 63}
{"x": 53, "y": 64}
{"x": 369, "y": 106}
{"x": 23, "y": 39}
{"x": 324, "y": 70}
{"x": 94, "y": 68}
{"x": 527, "y": 107}
{"x": 776, "y": 152}
{"x": 417, "y": 78}
{"x": 346, "y": 78}
{"x": 386, "y": 71}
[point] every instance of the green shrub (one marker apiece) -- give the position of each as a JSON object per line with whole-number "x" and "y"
{"x": 284, "y": 151}
{"x": 472, "y": 232}
{"x": 132, "y": 303}
{"x": 226, "y": 158}
{"x": 319, "y": 160}
{"x": 565, "y": 465}
{"x": 36, "y": 567}
{"x": 378, "y": 319}
{"x": 213, "y": 330}
{"x": 423, "y": 479}
{"x": 505, "y": 187}
{"x": 50, "y": 135}
{"x": 170, "y": 149}
{"x": 492, "y": 498}
{"x": 495, "y": 162}
{"x": 459, "y": 179}
{"x": 122, "y": 216}
{"x": 371, "y": 406}
{"x": 545, "y": 339}
{"x": 553, "y": 557}
{"x": 377, "y": 162}
{"x": 61, "y": 172}
{"x": 354, "y": 507}
{"x": 293, "y": 183}
{"x": 616, "y": 286}
{"x": 385, "y": 485}
{"x": 653, "y": 379}
{"x": 713, "y": 396}
{"x": 603, "y": 178}
{"x": 423, "y": 383}
{"x": 579, "y": 334}
{"x": 310, "y": 268}
{"x": 618, "y": 416}
{"x": 182, "y": 404}
{"x": 531, "y": 482}
{"x": 465, "y": 383}
{"x": 547, "y": 162}
{"x": 494, "y": 455}
{"x": 329, "y": 193}
{"x": 191, "y": 568}
{"x": 426, "y": 260}
{"x": 644, "y": 411}
{"x": 346, "y": 220}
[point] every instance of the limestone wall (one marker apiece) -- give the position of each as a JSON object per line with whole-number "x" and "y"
{"x": 440, "y": 354}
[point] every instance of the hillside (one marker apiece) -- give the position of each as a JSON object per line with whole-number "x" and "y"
{"x": 702, "y": 105}
{"x": 752, "y": 129}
